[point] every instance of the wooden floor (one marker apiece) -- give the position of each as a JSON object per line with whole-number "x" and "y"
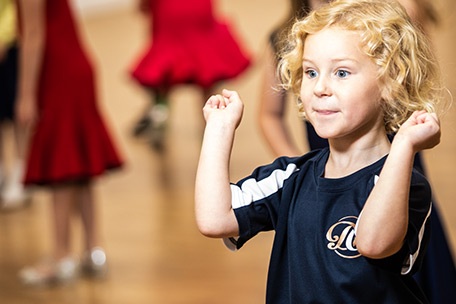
{"x": 155, "y": 252}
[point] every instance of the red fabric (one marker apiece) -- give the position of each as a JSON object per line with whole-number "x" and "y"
{"x": 188, "y": 45}
{"x": 70, "y": 140}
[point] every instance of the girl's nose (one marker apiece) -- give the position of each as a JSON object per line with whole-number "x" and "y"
{"x": 322, "y": 87}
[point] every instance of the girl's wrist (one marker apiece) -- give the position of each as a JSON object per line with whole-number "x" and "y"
{"x": 403, "y": 146}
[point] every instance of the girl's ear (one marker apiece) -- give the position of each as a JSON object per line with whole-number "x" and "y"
{"x": 384, "y": 94}
{"x": 385, "y": 91}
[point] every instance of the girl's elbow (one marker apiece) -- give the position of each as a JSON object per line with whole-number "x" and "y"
{"x": 217, "y": 227}
{"x": 377, "y": 250}
{"x": 379, "y": 243}
{"x": 210, "y": 229}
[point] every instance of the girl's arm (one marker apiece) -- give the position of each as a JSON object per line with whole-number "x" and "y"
{"x": 272, "y": 111}
{"x": 31, "y": 52}
{"x": 383, "y": 224}
{"x": 214, "y": 214}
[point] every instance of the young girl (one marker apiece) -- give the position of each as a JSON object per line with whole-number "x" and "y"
{"x": 188, "y": 45}
{"x": 437, "y": 276}
{"x": 70, "y": 143}
{"x": 351, "y": 220}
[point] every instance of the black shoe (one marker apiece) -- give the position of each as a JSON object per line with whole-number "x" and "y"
{"x": 158, "y": 117}
{"x": 142, "y": 126}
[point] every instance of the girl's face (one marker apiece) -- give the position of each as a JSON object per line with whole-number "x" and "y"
{"x": 340, "y": 91}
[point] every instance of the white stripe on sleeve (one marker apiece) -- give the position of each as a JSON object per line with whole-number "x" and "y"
{"x": 252, "y": 190}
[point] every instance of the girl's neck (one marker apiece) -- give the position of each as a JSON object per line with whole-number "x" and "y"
{"x": 345, "y": 159}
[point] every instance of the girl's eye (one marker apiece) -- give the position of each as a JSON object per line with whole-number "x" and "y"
{"x": 311, "y": 73}
{"x": 342, "y": 73}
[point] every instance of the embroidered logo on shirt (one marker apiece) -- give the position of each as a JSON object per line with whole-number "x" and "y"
{"x": 341, "y": 237}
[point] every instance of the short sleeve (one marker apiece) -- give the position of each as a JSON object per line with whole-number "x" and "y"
{"x": 409, "y": 258}
{"x": 256, "y": 199}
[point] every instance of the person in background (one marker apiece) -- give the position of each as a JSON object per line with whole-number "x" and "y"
{"x": 70, "y": 144}
{"x": 188, "y": 45}
{"x": 273, "y": 100}
{"x": 13, "y": 194}
{"x": 351, "y": 220}
{"x": 437, "y": 276}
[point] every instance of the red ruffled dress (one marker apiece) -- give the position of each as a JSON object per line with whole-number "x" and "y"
{"x": 188, "y": 45}
{"x": 70, "y": 141}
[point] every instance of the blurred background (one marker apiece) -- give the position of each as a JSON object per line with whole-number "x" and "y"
{"x": 156, "y": 254}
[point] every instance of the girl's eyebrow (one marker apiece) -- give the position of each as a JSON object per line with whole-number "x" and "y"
{"x": 307, "y": 60}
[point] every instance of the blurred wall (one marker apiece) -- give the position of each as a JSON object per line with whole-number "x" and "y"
{"x": 94, "y": 7}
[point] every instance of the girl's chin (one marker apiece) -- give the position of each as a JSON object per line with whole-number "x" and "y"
{"x": 323, "y": 132}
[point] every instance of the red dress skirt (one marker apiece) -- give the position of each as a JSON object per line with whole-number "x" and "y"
{"x": 188, "y": 45}
{"x": 70, "y": 141}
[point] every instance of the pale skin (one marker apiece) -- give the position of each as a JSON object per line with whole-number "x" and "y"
{"x": 66, "y": 197}
{"x": 347, "y": 113}
{"x": 273, "y": 105}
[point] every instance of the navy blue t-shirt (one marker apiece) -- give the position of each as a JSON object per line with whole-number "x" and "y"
{"x": 314, "y": 257}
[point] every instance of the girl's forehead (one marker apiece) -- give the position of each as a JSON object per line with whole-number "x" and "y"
{"x": 334, "y": 43}
{"x": 334, "y": 35}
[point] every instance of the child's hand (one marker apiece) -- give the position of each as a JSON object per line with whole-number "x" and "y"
{"x": 226, "y": 108}
{"x": 422, "y": 130}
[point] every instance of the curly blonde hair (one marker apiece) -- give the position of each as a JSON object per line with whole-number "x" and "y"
{"x": 408, "y": 71}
